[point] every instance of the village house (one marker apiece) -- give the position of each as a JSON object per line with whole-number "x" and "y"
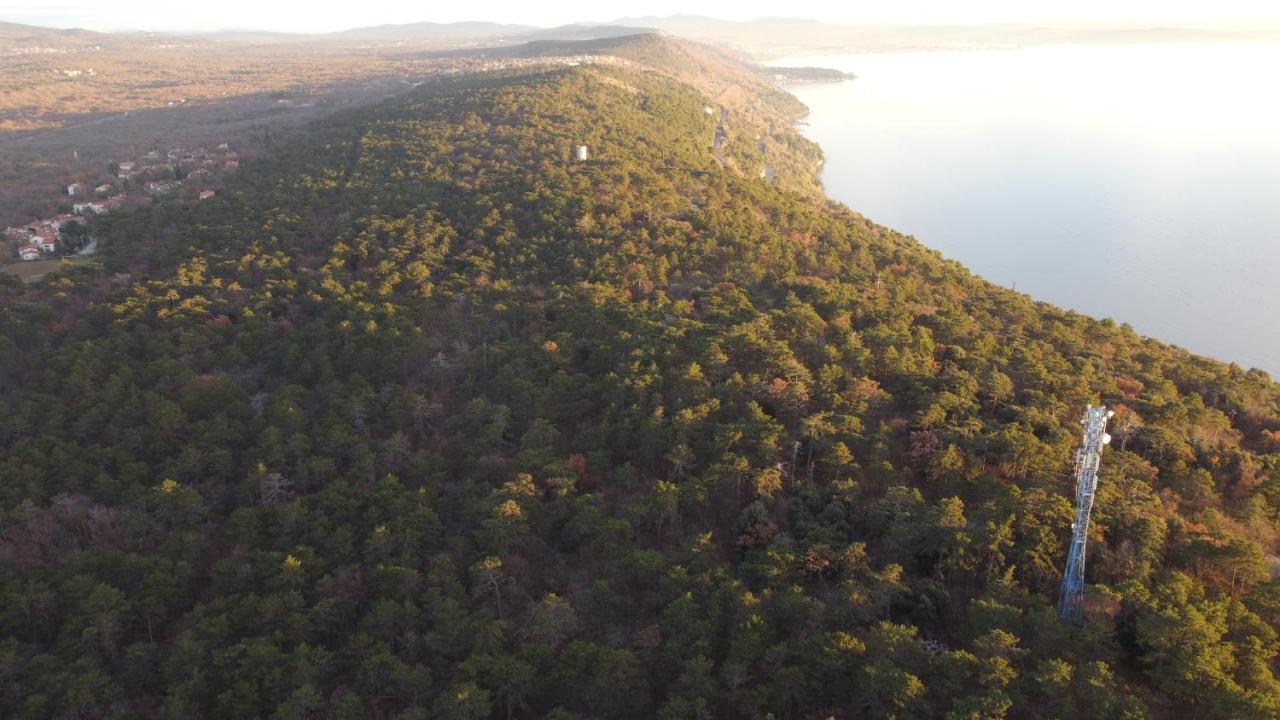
{"x": 29, "y": 252}
{"x": 90, "y": 207}
{"x": 206, "y": 194}
{"x": 77, "y": 189}
{"x": 157, "y": 187}
{"x": 104, "y": 188}
{"x": 127, "y": 167}
{"x": 45, "y": 241}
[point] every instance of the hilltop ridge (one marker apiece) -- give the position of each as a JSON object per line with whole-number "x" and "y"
{"x": 19, "y": 31}
{"x": 757, "y": 114}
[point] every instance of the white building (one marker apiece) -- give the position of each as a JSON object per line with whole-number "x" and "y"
{"x": 29, "y": 252}
{"x": 581, "y": 153}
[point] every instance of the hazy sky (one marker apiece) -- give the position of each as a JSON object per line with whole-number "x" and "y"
{"x": 323, "y": 15}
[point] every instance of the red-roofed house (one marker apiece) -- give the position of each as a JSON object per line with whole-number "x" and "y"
{"x": 45, "y": 243}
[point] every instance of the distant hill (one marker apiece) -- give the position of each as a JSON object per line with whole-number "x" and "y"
{"x": 499, "y": 33}
{"x": 19, "y": 31}
{"x": 431, "y": 29}
{"x": 586, "y": 32}
{"x": 700, "y": 24}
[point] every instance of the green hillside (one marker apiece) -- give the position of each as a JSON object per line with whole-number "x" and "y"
{"x": 420, "y": 418}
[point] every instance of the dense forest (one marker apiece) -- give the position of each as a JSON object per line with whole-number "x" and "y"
{"x": 421, "y": 418}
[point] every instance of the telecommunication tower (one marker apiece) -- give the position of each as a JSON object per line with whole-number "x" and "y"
{"x": 1088, "y": 459}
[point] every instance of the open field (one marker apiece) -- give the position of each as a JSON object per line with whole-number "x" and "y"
{"x": 36, "y": 269}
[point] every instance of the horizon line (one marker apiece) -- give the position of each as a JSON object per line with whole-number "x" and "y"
{"x": 1150, "y": 22}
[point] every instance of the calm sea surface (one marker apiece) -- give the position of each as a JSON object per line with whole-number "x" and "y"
{"x": 1135, "y": 182}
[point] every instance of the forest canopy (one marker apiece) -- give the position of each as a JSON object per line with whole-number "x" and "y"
{"x": 423, "y": 418}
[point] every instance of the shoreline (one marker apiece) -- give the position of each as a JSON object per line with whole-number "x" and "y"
{"x": 1198, "y": 336}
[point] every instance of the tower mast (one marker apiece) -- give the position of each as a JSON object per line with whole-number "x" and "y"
{"x": 1088, "y": 459}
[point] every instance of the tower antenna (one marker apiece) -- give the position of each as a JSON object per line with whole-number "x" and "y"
{"x": 1088, "y": 459}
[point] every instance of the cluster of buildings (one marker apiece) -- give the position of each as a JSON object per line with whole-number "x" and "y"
{"x": 136, "y": 182}
{"x": 37, "y": 238}
{"x": 43, "y": 50}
